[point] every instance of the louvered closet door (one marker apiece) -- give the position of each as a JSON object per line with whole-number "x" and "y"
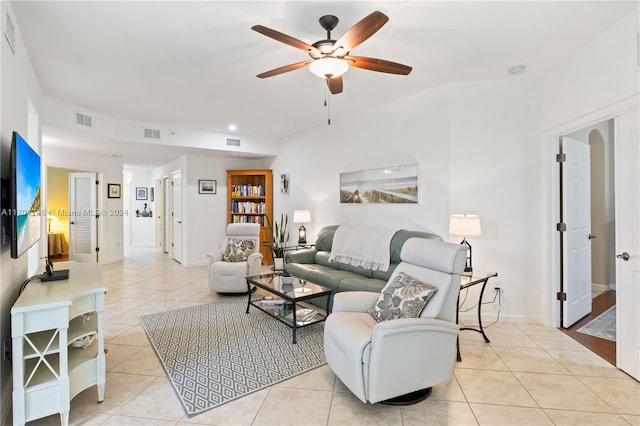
{"x": 82, "y": 217}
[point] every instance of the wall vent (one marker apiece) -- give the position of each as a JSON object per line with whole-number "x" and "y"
{"x": 151, "y": 134}
{"x": 83, "y": 120}
{"x": 10, "y": 34}
{"x": 233, "y": 142}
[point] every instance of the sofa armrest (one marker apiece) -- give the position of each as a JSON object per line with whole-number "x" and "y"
{"x": 300, "y": 256}
{"x": 354, "y": 301}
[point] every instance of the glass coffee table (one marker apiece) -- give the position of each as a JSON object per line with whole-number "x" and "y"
{"x": 282, "y": 301}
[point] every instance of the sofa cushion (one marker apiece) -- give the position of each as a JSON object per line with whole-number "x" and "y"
{"x": 327, "y": 276}
{"x": 238, "y": 250}
{"x": 403, "y": 297}
{"x": 358, "y": 283}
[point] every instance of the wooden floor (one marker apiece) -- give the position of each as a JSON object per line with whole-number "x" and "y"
{"x": 603, "y": 347}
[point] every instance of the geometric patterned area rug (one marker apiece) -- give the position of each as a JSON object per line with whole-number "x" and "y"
{"x": 216, "y": 353}
{"x": 604, "y": 325}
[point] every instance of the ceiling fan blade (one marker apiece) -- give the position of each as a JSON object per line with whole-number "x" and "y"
{"x": 359, "y": 32}
{"x": 283, "y": 38}
{"x": 286, "y": 68}
{"x": 380, "y": 65}
{"x": 335, "y": 85}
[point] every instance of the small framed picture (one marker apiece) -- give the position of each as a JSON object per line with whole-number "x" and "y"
{"x": 284, "y": 183}
{"x": 113, "y": 190}
{"x": 206, "y": 186}
{"x": 141, "y": 193}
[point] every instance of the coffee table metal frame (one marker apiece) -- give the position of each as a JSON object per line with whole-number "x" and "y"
{"x": 290, "y": 293}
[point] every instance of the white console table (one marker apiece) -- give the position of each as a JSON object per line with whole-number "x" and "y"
{"x": 47, "y": 317}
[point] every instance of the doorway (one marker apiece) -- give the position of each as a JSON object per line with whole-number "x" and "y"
{"x": 597, "y": 207}
{"x": 72, "y": 223}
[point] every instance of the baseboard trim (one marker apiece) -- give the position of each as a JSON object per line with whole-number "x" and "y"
{"x": 489, "y": 316}
{"x": 7, "y": 400}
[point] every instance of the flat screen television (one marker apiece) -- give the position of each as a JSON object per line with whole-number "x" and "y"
{"x": 24, "y": 196}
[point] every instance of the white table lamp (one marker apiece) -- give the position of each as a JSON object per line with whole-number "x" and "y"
{"x": 302, "y": 217}
{"x": 465, "y": 225}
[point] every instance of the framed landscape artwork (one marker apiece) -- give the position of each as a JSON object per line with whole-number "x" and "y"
{"x": 206, "y": 186}
{"x": 398, "y": 184}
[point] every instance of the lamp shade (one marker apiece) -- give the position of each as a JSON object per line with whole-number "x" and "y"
{"x": 465, "y": 225}
{"x": 301, "y": 216}
{"x": 328, "y": 67}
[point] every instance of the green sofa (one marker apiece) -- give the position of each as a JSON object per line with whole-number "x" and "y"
{"x": 313, "y": 264}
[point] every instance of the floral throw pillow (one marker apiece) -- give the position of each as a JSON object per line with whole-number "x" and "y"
{"x": 238, "y": 250}
{"x": 404, "y": 297}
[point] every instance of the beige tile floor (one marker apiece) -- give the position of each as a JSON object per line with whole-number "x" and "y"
{"x": 528, "y": 375}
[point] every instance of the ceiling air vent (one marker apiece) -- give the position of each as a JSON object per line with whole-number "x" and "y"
{"x": 151, "y": 134}
{"x": 83, "y": 120}
{"x": 233, "y": 142}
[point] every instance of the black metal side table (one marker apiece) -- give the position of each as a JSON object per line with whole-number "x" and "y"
{"x": 469, "y": 280}
{"x": 278, "y": 251}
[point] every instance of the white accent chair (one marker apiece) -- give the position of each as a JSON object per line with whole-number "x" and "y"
{"x": 398, "y": 361}
{"x": 229, "y": 277}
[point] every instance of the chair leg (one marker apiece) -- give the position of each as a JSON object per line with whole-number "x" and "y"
{"x": 409, "y": 398}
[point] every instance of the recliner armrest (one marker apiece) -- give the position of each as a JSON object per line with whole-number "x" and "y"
{"x": 354, "y": 301}
{"x": 214, "y": 257}
{"x": 254, "y": 264}
{"x": 410, "y": 325}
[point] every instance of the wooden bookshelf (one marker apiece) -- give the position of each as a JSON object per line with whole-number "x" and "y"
{"x": 250, "y": 200}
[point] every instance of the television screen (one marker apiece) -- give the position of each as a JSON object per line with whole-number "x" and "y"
{"x": 25, "y": 196}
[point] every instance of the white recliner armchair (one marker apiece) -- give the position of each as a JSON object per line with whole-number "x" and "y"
{"x": 398, "y": 361}
{"x": 238, "y": 257}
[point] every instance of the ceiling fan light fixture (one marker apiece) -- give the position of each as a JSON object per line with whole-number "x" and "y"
{"x": 328, "y": 67}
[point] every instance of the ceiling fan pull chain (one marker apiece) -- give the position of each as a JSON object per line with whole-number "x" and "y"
{"x": 327, "y": 104}
{"x": 329, "y": 110}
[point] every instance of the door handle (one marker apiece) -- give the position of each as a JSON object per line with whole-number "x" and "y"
{"x": 624, "y": 256}
{"x": 179, "y": 221}
{"x": 591, "y": 236}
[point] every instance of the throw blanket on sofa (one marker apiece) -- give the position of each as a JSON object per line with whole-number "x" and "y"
{"x": 362, "y": 246}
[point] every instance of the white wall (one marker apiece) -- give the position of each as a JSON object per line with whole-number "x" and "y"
{"x": 409, "y": 131}
{"x": 494, "y": 172}
{"x": 18, "y": 87}
{"x": 602, "y": 73}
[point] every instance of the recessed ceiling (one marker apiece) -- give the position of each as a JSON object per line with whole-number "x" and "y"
{"x": 194, "y": 64}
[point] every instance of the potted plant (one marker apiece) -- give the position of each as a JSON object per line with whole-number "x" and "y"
{"x": 279, "y": 236}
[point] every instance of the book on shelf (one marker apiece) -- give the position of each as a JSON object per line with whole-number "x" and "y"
{"x": 302, "y": 315}
{"x": 271, "y": 300}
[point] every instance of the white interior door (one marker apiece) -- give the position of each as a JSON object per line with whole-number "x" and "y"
{"x": 166, "y": 215}
{"x": 176, "y": 215}
{"x": 83, "y": 222}
{"x": 576, "y": 208}
{"x": 627, "y": 140}
{"x": 159, "y": 213}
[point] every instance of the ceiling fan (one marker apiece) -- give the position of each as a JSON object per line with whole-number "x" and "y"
{"x": 330, "y": 58}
